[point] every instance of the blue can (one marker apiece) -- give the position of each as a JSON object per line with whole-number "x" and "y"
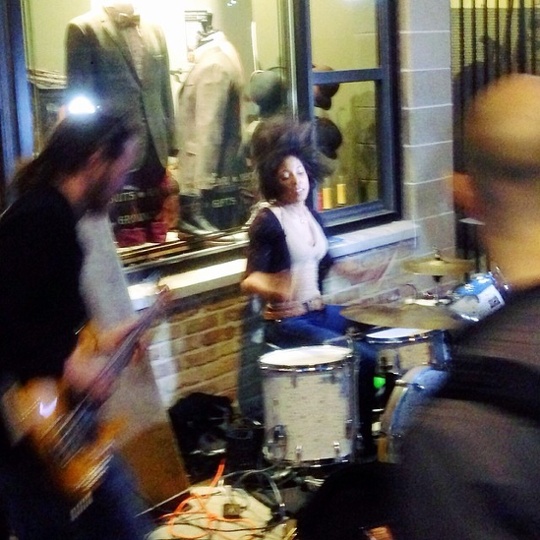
{"x": 482, "y": 295}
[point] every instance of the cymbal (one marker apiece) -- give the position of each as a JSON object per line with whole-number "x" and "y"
{"x": 404, "y": 316}
{"x": 437, "y": 266}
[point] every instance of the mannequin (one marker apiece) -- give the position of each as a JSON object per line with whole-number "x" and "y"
{"x": 128, "y": 8}
{"x": 124, "y": 68}
{"x": 208, "y": 125}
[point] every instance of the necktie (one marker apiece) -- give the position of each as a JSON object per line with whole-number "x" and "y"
{"x": 125, "y": 21}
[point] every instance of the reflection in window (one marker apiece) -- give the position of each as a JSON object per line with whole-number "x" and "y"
{"x": 348, "y": 125}
{"x": 207, "y": 191}
{"x": 197, "y": 78}
{"x": 352, "y": 75}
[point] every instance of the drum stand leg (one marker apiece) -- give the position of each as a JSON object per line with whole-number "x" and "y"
{"x": 364, "y": 402}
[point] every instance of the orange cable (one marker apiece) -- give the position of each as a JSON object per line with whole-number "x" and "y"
{"x": 203, "y": 511}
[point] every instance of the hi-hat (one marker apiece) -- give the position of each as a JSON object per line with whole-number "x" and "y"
{"x": 438, "y": 266}
{"x": 403, "y": 315}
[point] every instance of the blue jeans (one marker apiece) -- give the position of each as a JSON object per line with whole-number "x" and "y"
{"x": 317, "y": 327}
{"x": 37, "y": 511}
{"x": 313, "y": 328}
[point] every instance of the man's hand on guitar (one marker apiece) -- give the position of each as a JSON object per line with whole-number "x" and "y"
{"x": 99, "y": 357}
{"x": 86, "y": 369}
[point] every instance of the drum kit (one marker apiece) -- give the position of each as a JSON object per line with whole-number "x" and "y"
{"x": 310, "y": 393}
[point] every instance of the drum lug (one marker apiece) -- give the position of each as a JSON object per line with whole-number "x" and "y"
{"x": 349, "y": 429}
{"x": 337, "y": 451}
{"x": 277, "y": 442}
{"x": 298, "y": 453}
{"x": 389, "y": 362}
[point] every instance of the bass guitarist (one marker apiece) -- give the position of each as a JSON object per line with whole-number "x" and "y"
{"x": 48, "y": 366}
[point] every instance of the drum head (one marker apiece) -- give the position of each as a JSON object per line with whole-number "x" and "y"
{"x": 397, "y": 336}
{"x": 304, "y": 357}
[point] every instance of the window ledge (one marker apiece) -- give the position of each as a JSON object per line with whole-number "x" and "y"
{"x": 190, "y": 283}
{"x": 366, "y": 239}
{"x": 221, "y": 275}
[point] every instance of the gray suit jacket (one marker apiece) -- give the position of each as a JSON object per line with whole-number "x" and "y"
{"x": 209, "y": 118}
{"x": 100, "y": 66}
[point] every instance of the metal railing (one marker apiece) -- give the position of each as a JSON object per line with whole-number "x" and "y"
{"x": 490, "y": 38}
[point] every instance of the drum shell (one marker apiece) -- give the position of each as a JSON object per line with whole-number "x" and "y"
{"x": 401, "y": 349}
{"x": 310, "y": 405}
{"x": 409, "y": 395}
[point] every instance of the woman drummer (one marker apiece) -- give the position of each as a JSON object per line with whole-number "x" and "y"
{"x": 288, "y": 252}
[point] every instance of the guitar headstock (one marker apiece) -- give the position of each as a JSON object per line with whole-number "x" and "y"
{"x": 164, "y": 298}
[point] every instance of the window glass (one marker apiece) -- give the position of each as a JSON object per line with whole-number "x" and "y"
{"x": 353, "y": 106}
{"x": 196, "y": 76}
{"x": 347, "y": 131}
{"x": 344, "y": 33}
{"x": 194, "y": 183}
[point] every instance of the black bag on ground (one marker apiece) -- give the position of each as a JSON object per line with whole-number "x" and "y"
{"x": 200, "y": 422}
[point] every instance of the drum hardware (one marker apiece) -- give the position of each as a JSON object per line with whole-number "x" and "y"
{"x": 337, "y": 450}
{"x": 390, "y": 375}
{"x": 349, "y": 429}
{"x": 430, "y": 300}
{"x": 388, "y": 362}
{"x": 426, "y": 298}
{"x": 277, "y": 444}
{"x": 437, "y": 267}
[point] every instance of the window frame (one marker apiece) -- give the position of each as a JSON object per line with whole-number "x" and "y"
{"x": 16, "y": 111}
{"x": 16, "y": 130}
{"x": 388, "y": 207}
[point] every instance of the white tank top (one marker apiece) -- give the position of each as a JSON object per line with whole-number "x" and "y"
{"x": 307, "y": 245}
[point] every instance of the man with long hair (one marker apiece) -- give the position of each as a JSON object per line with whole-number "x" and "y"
{"x": 42, "y": 312}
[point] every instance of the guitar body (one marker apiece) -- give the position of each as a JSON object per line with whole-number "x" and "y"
{"x": 74, "y": 447}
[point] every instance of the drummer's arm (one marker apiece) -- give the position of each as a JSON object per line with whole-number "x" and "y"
{"x": 268, "y": 261}
{"x": 351, "y": 270}
{"x": 271, "y": 286}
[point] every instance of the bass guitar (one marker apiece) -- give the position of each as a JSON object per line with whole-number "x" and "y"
{"x": 63, "y": 426}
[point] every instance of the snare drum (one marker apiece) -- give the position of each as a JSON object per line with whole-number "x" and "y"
{"x": 400, "y": 349}
{"x": 309, "y": 404}
{"x": 409, "y": 393}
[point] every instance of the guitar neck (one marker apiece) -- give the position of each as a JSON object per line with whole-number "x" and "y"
{"x": 121, "y": 357}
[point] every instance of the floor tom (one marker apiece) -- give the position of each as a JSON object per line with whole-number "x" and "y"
{"x": 309, "y": 404}
{"x": 410, "y": 393}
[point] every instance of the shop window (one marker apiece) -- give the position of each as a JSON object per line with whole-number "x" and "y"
{"x": 352, "y": 55}
{"x": 326, "y": 60}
